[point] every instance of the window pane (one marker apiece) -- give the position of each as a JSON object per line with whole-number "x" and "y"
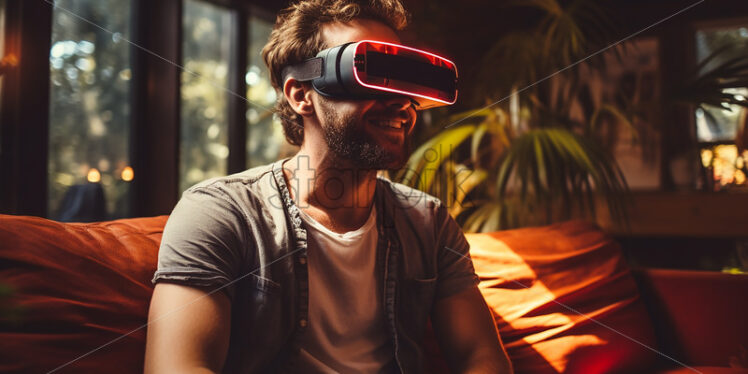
{"x": 89, "y": 172}
{"x": 204, "y": 131}
{"x": 265, "y": 140}
{"x": 712, "y": 123}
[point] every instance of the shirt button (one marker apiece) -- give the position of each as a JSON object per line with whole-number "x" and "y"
{"x": 302, "y": 323}
{"x": 302, "y": 260}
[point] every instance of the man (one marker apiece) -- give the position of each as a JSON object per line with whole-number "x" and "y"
{"x": 313, "y": 264}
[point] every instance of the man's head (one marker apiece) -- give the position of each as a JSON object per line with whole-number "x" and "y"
{"x": 357, "y": 130}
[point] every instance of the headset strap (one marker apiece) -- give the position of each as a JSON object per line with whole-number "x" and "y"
{"x": 304, "y": 71}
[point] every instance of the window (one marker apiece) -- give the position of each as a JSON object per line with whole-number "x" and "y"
{"x": 713, "y": 123}
{"x": 206, "y": 47}
{"x": 89, "y": 124}
{"x": 265, "y": 140}
{"x": 206, "y": 97}
{"x": 717, "y": 127}
{"x": 141, "y": 103}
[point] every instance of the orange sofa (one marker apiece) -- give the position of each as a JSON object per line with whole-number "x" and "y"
{"x": 562, "y": 297}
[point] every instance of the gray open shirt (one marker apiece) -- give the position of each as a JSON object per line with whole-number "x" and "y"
{"x": 243, "y": 234}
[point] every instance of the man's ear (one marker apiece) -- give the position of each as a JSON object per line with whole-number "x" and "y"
{"x": 299, "y": 96}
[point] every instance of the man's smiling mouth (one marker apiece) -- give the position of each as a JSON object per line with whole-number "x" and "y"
{"x": 388, "y": 123}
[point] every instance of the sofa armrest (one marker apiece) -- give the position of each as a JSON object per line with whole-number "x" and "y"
{"x": 700, "y": 318}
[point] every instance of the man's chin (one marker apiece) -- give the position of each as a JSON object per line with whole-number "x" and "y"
{"x": 358, "y": 149}
{"x": 377, "y": 161}
{"x": 395, "y": 162}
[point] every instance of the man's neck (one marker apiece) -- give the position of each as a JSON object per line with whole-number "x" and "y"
{"x": 333, "y": 192}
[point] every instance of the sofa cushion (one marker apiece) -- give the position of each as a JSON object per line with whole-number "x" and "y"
{"x": 80, "y": 286}
{"x": 705, "y": 370}
{"x": 563, "y": 299}
{"x": 102, "y": 289}
{"x": 700, "y": 316}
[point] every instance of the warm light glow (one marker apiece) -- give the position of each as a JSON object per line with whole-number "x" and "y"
{"x": 125, "y": 74}
{"x": 706, "y": 157}
{"x": 726, "y": 164}
{"x": 739, "y": 177}
{"x": 127, "y": 174}
{"x": 501, "y": 281}
{"x": 94, "y": 176}
{"x": 727, "y": 151}
{"x": 9, "y": 61}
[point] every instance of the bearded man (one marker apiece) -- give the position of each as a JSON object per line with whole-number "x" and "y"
{"x": 313, "y": 264}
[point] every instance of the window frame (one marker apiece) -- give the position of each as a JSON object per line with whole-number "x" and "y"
{"x": 24, "y": 116}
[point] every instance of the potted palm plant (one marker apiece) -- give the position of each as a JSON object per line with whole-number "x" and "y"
{"x": 526, "y": 159}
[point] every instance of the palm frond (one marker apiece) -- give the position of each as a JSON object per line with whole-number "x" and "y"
{"x": 558, "y": 166}
{"x": 708, "y": 85}
{"x": 466, "y": 181}
{"x": 424, "y": 163}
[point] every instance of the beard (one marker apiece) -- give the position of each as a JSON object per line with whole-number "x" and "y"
{"x": 347, "y": 140}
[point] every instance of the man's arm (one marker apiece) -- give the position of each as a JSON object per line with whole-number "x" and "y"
{"x": 188, "y": 330}
{"x": 467, "y": 335}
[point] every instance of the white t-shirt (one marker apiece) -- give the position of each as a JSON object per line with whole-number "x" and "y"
{"x": 347, "y": 331}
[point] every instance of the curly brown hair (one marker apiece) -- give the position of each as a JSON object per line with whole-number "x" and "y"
{"x": 296, "y": 37}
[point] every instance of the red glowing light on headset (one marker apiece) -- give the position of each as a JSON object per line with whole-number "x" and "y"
{"x": 394, "y": 49}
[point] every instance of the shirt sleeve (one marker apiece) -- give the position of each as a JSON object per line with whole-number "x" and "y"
{"x": 455, "y": 267}
{"x": 201, "y": 244}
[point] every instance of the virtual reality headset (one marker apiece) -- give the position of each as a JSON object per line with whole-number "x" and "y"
{"x": 371, "y": 69}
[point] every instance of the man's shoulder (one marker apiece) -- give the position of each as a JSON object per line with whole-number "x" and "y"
{"x": 254, "y": 187}
{"x": 249, "y": 177}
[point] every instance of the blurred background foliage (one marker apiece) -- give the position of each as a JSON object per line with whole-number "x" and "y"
{"x": 535, "y": 147}
{"x": 206, "y": 49}
{"x": 90, "y": 86}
